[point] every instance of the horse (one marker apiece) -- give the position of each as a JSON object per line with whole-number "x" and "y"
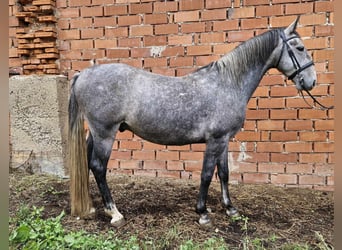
{"x": 205, "y": 106}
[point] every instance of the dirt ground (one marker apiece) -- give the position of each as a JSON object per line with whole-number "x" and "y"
{"x": 154, "y": 206}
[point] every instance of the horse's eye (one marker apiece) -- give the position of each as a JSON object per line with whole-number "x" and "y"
{"x": 300, "y": 48}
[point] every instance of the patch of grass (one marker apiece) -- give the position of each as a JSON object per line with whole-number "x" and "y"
{"x": 31, "y": 231}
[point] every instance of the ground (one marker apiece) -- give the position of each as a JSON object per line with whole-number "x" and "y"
{"x": 157, "y": 208}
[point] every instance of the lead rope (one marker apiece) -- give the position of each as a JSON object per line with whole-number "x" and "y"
{"x": 315, "y": 101}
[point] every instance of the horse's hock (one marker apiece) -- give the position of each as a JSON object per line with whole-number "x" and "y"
{"x": 38, "y": 118}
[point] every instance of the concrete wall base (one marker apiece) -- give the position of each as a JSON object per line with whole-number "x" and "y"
{"x": 38, "y": 123}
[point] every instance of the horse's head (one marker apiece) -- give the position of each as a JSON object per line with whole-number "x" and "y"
{"x": 294, "y": 60}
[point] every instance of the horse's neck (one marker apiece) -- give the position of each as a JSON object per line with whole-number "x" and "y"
{"x": 248, "y": 65}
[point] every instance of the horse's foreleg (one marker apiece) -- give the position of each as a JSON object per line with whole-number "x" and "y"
{"x": 223, "y": 172}
{"x": 214, "y": 149}
{"x": 98, "y": 159}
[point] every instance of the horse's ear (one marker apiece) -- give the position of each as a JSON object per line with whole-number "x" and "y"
{"x": 292, "y": 27}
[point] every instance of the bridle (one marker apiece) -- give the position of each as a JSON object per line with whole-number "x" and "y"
{"x": 293, "y": 58}
{"x": 298, "y": 68}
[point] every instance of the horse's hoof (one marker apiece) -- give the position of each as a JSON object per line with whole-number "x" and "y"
{"x": 118, "y": 222}
{"x": 205, "y": 220}
{"x": 232, "y": 212}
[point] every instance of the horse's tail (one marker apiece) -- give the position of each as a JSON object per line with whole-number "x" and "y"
{"x": 78, "y": 164}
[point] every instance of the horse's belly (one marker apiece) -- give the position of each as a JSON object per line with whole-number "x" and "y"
{"x": 165, "y": 135}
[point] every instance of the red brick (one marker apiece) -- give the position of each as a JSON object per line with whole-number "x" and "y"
{"x": 199, "y": 50}
{"x": 191, "y": 5}
{"x": 155, "y": 40}
{"x": 323, "y": 55}
{"x": 243, "y": 12}
{"x": 155, "y": 19}
{"x": 129, "y": 20}
{"x": 116, "y": 32}
{"x": 313, "y": 19}
{"x": 186, "y": 16}
{"x": 217, "y": 37}
{"x": 81, "y": 44}
{"x": 192, "y": 27}
{"x": 311, "y": 180}
{"x": 269, "y": 147}
{"x": 69, "y": 12}
{"x": 324, "y": 30}
{"x": 144, "y": 155}
{"x": 255, "y": 2}
{"x": 166, "y": 29}
{"x": 193, "y": 165}
{"x": 105, "y": 43}
{"x": 254, "y": 23}
{"x": 181, "y": 61}
{"x": 217, "y": 4}
{"x": 169, "y": 174}
{"x": 298, "y": 125}
{"x": 283, "y": 136}
{"x": 154, "y": 164}
{"x": 324, "y": 125}
{"x": 284, "y": 157}
{"x": 225, "y": 25}
{"x": 117, "y": 53}
{"x": 277, "y": 91}
{"x": 193, "y": 156}
{"x": 270, "y": 125}
{"x": 141, "y": 30}
{"x": 104, "y": 21}
{"x": 155, "y": 62}
{"x": 219, "y": 14}
{"x": 179, "y": 39}
{"x": 69, "y": 34}
{"x": 299, "y": 168}
{"x": 130, "y": 164}
{"x": 140, "y": 52}
{"x": 85, "y": 22}
{"x": 240, "y": 36}
{"x": 114, "y": 10}
{"x": 129, "y": 42}
{"x": 312, "y": 136}
{"x": 257, "y": 114}
{"x": 248, "y": 136}
{"x": 78, "y": 3}
{"x": 92, "y": 33}
{"x": 165, "y": 6}
{"x": 140, "y": 8}
{"x": 175, "y": 165}
{"x": 284, "y": 179}
{"x": 271, "y": 168}
{"x": 277, "y": 114}
{"x": 270, "y": 10}
{"x": 167, "y": 155}
{"x": 91, "y": 11}
{"x": 256, "y": 178}
{"x": 324, "y": 6}
{"x": 271, "y": 103}
{"x": 326, "y": 169}
{"x": 313, "y": 158}
{"x": 93, "y": 54}
{"x": 298, "y": 147}
{"x": 205, "y": 60}
{"x": 312, "y": 114}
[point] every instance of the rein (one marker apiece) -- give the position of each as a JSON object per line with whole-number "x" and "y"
{"x": 315, "y": 101}
{"x": 299, "y": 69}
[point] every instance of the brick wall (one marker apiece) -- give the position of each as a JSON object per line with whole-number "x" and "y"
{"x": 283, "y": 142}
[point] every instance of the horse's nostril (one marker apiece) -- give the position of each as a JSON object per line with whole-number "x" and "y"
{"x": 314, "y": 83}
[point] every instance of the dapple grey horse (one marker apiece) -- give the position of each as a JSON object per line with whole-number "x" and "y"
{"x": 206, "y": 106}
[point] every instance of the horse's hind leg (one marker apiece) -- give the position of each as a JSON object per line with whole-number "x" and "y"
{"x": 99, "y": 150}
{"x": 223, "y": 172}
